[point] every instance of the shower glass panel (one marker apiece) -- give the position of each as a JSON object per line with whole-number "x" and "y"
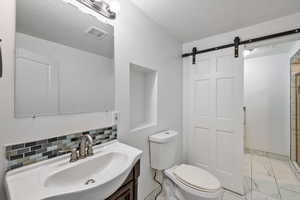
{"x": 295, "y": 111}
{"x": 297, "y": 138}
{"x": 272, "y": 123}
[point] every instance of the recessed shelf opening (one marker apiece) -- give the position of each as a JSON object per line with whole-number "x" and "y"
{"x": 143, "y": 97}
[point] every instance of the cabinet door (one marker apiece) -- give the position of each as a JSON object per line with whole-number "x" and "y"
{"x": 124, "y": 193}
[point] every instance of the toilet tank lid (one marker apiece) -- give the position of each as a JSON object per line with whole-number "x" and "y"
{"x": 163, "y": 137}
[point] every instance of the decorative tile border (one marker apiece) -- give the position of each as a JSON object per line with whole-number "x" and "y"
{"x": 23, "y": 154}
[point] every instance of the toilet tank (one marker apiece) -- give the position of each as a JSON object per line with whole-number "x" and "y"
{"x": 163, "y": 149}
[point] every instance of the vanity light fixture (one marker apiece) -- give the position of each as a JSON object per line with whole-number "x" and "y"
{"x": 247, "y": 52}
{"x": 94, "y": 7}
{"x": 114, "y": 5}
{"x": 100, "y": 7}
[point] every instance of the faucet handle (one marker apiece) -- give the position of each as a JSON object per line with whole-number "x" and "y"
{"x": 90, "y": 150}
{"x": 73, "y": 151}
{"x": 74, "y": 155}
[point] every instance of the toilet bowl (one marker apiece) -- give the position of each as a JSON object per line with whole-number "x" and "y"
{"x": 181, "y": 182}
{"x": 203, "y": 186}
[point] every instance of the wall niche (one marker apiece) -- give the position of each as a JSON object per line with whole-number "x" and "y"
{"x": 143, "y": 97}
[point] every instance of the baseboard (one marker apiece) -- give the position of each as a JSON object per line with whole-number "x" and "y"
{"x": 268, "y": 154}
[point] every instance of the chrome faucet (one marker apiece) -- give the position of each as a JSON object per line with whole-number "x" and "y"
{"x": 85, "y": 149}
{"x": 74, "y": 153}
{"x": 85, "y": 146}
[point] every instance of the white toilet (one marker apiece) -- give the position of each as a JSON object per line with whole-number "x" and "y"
{"x": 181, "y": 182}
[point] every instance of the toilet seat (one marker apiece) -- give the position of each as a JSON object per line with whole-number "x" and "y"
{"x": 191, "y": 190}
{"x": 196, "y": 178}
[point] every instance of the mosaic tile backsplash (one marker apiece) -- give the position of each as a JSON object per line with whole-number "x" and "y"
{"x": 23, "y": 154}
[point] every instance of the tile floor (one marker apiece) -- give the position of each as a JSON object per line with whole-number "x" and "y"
{"x": 267, "y": 178}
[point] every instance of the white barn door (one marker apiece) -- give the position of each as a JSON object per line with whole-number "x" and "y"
{"x": 216, "y": 115}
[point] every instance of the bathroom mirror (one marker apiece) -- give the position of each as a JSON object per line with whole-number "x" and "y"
{"x": 64, "y": 60}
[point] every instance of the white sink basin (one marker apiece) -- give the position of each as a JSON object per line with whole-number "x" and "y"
{"x": 93, "y": 178}
{"x": 78, "y": 174}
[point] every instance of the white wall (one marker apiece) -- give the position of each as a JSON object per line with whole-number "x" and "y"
{"x": 144, "y": 43}
{"x": 137, "y": 98}
{"x": 267, "y": 98}
{"x": 143, "y": 97}
{"x": 86, "y": 80}
{"x": 274, "y": 26}
{"x": 138, "y": 40}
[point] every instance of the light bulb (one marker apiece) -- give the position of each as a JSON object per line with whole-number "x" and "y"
{"x": 115, "y": 6}
{"x": 87, "y": 10}
{"x": 246, "y": 52}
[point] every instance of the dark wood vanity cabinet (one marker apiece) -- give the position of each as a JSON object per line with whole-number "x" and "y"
{"x": 129, "y": 189}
